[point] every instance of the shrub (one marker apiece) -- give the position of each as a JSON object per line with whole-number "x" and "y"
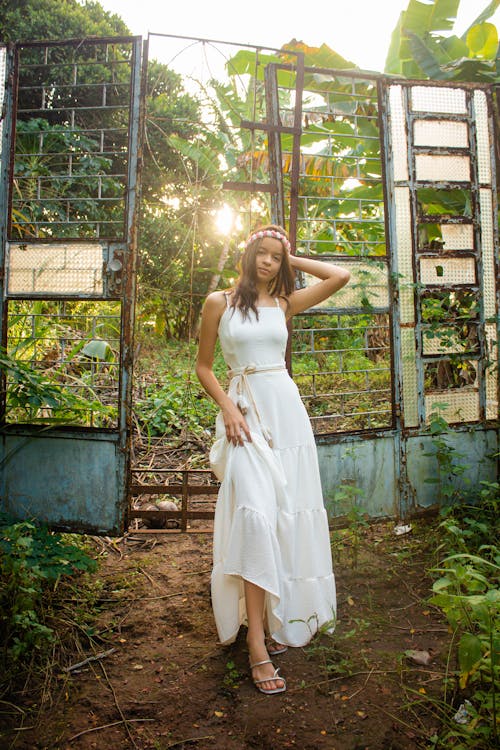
{"x": 32, "y": 561}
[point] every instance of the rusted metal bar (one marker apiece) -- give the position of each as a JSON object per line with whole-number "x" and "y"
{"x": 149, "y": 470}
{"x": 174, "y": 489}
{"x": 442, "y": 150}
{"x": 184, "y": 502}
{"x": 269, "y": 127}
{"x": 251, "y": 187}
{"x": 77, "y": 42}
{"x": 274, "y": 146}
{"x": 70, "y": 108}
{"x": 206, "y": 40}
{"x": 295, "y": 172}
{"x": 6, "y": 163}
{"x": 176, "y": 514}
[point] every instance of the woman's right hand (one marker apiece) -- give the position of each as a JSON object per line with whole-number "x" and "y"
{"x": 235, "y": 424}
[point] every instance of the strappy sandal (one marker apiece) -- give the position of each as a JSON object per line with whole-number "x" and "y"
{"x": 274, "y": 648}
{"x": 275, "y": 676}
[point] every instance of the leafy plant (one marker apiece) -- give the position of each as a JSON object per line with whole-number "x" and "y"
{"x": 232, "y": 676}
{"x": 345, "y": 502}
{"x": 419, "y": 49}
{"x": 449, "y": 459}
{"x": 174, "y": 403}
{"x": 327, "y": 647}
{"x": 468, "y": 593}
{"x": 30, "y": 392}
{"x": 32, "y": 561}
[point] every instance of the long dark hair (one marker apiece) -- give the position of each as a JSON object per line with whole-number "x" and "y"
{"x": 245, "y": 292}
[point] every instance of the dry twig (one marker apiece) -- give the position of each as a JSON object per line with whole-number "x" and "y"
{"x": 96, "y": 657}
{"x": 190, "y": 739}
{"x": 103, "y": 726}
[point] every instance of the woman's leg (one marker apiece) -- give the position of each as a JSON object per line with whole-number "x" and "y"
{"x": 255, "y": 599}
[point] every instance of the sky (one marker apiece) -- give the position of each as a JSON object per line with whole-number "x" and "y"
{"x": 359, "y": 30}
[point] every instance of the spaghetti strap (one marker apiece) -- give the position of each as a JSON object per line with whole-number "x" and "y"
{"x": 277, "y": 300}
{"x": 226, "y": 297}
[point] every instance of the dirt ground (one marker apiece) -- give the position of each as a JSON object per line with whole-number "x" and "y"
{"x": 161, "y": 680}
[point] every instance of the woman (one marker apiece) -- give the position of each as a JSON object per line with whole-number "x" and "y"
{"x": 272, "y": 562}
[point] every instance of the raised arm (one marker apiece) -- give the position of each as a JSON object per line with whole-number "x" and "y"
{"x": 234, "y": 420}
{"x": 332, "y": 278}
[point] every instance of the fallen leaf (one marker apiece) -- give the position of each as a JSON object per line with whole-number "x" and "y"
{"x": 423, "y": 691}
{"x": 350, "y": 601}
{"x": 219, "y": 714}
{"x": 137, "y": 666}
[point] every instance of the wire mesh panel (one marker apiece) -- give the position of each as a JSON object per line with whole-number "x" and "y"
{"x": 71, "y": 351}
{"x": 341, "y": 364}
{"x": 438, "y": 100}
{"x": 341, "y": 351}
{"x": 440, "y": 134}
{"x": 341, "y": 196}
{"x": 71, "y": 140}
{"x": 439, "y": 271}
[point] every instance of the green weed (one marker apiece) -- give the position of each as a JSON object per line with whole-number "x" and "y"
{"x": 345, "y": 504}
{"x": 467, "y": 591}
{"x": 232, "y": 676}
{"x": 32, "y": 562}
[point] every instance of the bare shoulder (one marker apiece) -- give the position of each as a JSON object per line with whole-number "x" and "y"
{"x": 215, "y": 304}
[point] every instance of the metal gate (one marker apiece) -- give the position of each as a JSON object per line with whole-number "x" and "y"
{"x": 395, "y": 180}
{"x": 68, "y": 195}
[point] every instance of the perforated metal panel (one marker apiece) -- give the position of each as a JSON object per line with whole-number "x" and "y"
{"x": 75, "y": 269}
{"x": 440, "y": 134}
{"x": 449, "y": 160}
{"x": 438, "y": 100}
{"x": 443, "y": 271}
{"x": 3, "y": 79}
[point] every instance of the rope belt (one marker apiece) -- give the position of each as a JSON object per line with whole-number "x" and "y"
{"x": 244, "y": 389}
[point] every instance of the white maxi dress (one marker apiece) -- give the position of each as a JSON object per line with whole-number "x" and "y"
{"x": 271, "y": 527}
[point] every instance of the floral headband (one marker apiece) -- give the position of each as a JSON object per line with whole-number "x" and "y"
{"x": 269, "y": 233}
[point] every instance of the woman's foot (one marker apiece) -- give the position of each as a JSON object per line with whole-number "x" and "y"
{"x": 259, "y": 684}
{"x": 264, "y": 675}
{"x": 275, "y": 647}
